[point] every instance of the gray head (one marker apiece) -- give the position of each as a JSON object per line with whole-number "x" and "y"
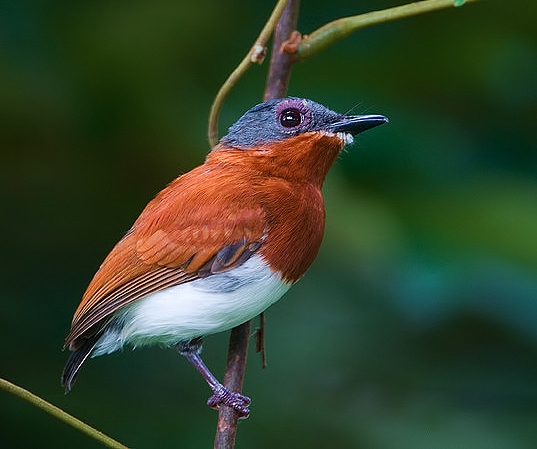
{"x": 278, "y": 119}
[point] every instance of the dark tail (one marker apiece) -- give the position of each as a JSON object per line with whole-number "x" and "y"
{"x": 75, "y": 361}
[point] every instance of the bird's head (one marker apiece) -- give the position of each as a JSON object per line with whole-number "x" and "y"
{"x": 294, "y": 135}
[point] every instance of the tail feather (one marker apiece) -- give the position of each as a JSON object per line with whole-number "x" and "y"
{"x": 75, "y": 361}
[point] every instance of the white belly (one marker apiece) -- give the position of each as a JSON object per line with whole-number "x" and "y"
{"x": 194, "y": 309}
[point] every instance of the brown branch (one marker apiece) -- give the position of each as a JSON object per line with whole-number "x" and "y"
{"x": 255, "y": 55}
{"x": 260, "y": 340}
{"x": 277, "y": 82}
{"x": 281, "y": 60}
{"x": 226, "y": 428}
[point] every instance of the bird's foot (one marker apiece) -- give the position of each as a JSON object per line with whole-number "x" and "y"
{"x": 223, "y": 396}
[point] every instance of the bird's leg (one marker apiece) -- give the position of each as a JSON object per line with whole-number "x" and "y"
{"x": 221, "y": 395}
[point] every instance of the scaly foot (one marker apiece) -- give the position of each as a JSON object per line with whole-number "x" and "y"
{"x": 223, "y": 396}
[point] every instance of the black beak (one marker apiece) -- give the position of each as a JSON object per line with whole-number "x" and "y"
{"x": 355, "y": 124}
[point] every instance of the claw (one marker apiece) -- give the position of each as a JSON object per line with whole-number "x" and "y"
{"x": 221, "y": 395}
{"x": 237, "y": 401}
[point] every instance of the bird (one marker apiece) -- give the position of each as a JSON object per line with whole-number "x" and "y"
{"x": 220, "y": 243}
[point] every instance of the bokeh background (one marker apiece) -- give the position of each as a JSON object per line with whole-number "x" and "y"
{"x": 417, "y": 325}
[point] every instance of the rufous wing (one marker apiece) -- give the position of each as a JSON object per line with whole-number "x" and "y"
{"x": 190, "y": 230}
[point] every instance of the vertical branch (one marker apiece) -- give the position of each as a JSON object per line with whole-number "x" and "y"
{"x": 277, "y": 82}
{"x": 257, "y": 55}
{"x": 281, "y": 60}
{"x": 226, "y": 428}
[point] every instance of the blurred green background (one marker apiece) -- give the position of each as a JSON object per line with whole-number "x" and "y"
{"x": 417, "y": 325}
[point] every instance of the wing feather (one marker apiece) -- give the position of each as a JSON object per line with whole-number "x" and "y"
{"x": 190, "y": 230}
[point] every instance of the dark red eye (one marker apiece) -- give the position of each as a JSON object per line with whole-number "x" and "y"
{"x": 289, "y": 118}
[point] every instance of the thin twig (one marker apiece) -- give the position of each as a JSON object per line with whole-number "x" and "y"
{"x": 280, "y": 66}
{"x": 288, "y": 49}
{"x": 316, "y": 41}
{"x": 226, "y": 428}
{"x": 60, "y": 414}
{"x": 260, "y": 340}
{"x": 281, "y": 60}
{"x": 278, "y": 78}
{"x": 338, "y": 29}
{"x": 255, "y": 55}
